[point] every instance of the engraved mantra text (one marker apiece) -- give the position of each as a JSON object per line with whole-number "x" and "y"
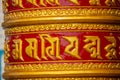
{"x": 38, "y": 3}
{"x": 52, "y": 51}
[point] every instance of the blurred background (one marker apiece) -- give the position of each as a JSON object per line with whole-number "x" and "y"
{"x": 1, "y": 41}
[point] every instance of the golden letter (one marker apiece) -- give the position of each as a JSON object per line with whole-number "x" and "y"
{"x": 17, "y": 3}
{"x": 32, "y": 49}
{"x": 53, "y": 2}
{"x": 51, "y": 50}
{"x": 17, "y": 49}
{"x": 110, "y": 48}
{"x": 72, "y": 48}
{"x": 93, "y": 41}
{"x": 42, "y": 2}
{"x": 6, "y": 51}
{"x": 110, "y": 3}
{"x": 94, "y": 2}
{"x": 74, "y": 1}
{"x": 5, "y": 5}
{"x": 34, "y": 2}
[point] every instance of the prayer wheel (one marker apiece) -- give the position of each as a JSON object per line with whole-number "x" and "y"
{"x": 61, "y": 39}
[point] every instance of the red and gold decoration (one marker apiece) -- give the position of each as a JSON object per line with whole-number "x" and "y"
{"x": 62, "y": 39}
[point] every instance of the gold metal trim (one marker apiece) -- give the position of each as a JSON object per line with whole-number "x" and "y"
{"x": 46, "y": 20}
{"x": 16, "y": 34}
{"x": 61, "y": 67}
{"x": 72, "y": 78}
{"x": 62, "y": 74}
{"x": 61, "y": 12}
{"x": 66, "y": 61}
{"x": 64, "y": 7}
{"x": 65, "y": 15}
{"x": 62, "y": 27}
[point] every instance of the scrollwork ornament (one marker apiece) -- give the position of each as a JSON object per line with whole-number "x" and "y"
{"x": 57, "y": 27}
{"x": 6, "y": 51}
{"x": 62, "y": 67}
{"x": 61, "y": 39}
{"x": 90, "y": 78}
{"x": 62, "y": 12}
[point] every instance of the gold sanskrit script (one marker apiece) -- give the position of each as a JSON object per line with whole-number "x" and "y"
{"x": 110, "y": 48}
{"x": 112, "y": 2}
{"x": 17, "y": 49}
{"x": 32, "y": 48}
{"x": 49, "y": 47}
{"x": 94, "y": 2}
{"x": 17, "y": 3}
{"x": 41, "y": 2}
{"x": 53, "y": 49}
{"x": 72, "y": 48}
{"x": 93, "y": 41}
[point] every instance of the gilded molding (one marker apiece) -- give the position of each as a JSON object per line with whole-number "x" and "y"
{"x": 8, "y": 5}
{"x": 58, "y": 27}
{"x": 71, "y": 78}
{"x": 61, "y": 16}
{"x": 61, "y": 39}
{"x": 61, "y": 12}
{"x": 47, "y": 14}
{"x": 61, "y": 67}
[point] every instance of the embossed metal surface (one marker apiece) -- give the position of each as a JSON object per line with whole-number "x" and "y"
{"x": 62, "y": 39}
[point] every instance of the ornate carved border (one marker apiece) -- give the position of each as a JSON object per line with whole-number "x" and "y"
{"x": 62, "y": 12}
{"x": 45, "y": 16}
{"x": 72, "y": 78}
{"x": 59, "y": 27}
{"x": 63, "y": 71}
{"x": 61, "y": 67}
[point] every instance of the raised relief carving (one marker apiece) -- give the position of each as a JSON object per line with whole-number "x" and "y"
{"x": 63, "y": 66}
{"x": 5, "y": 6}
{"x": 6, "y": 51}
{"x": 110, "y": 2}
{"x": 17, "y": 49}
{"x": 94, "y": 2}
{"x": 72, "y": 48}
{"x": 93, "y": 46}
{"x": 41, "y": 2}
{"x": 53, "y": 49}
{"x": 51, "y": 2}
{"x": 111, "y": 48}
{"x": 34, "y": 2}
{"x": 18, "y": 3}
{"x": 48, "y": 47}
{"x": 32, "y": 49}
{"x": 74, "y": 1}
